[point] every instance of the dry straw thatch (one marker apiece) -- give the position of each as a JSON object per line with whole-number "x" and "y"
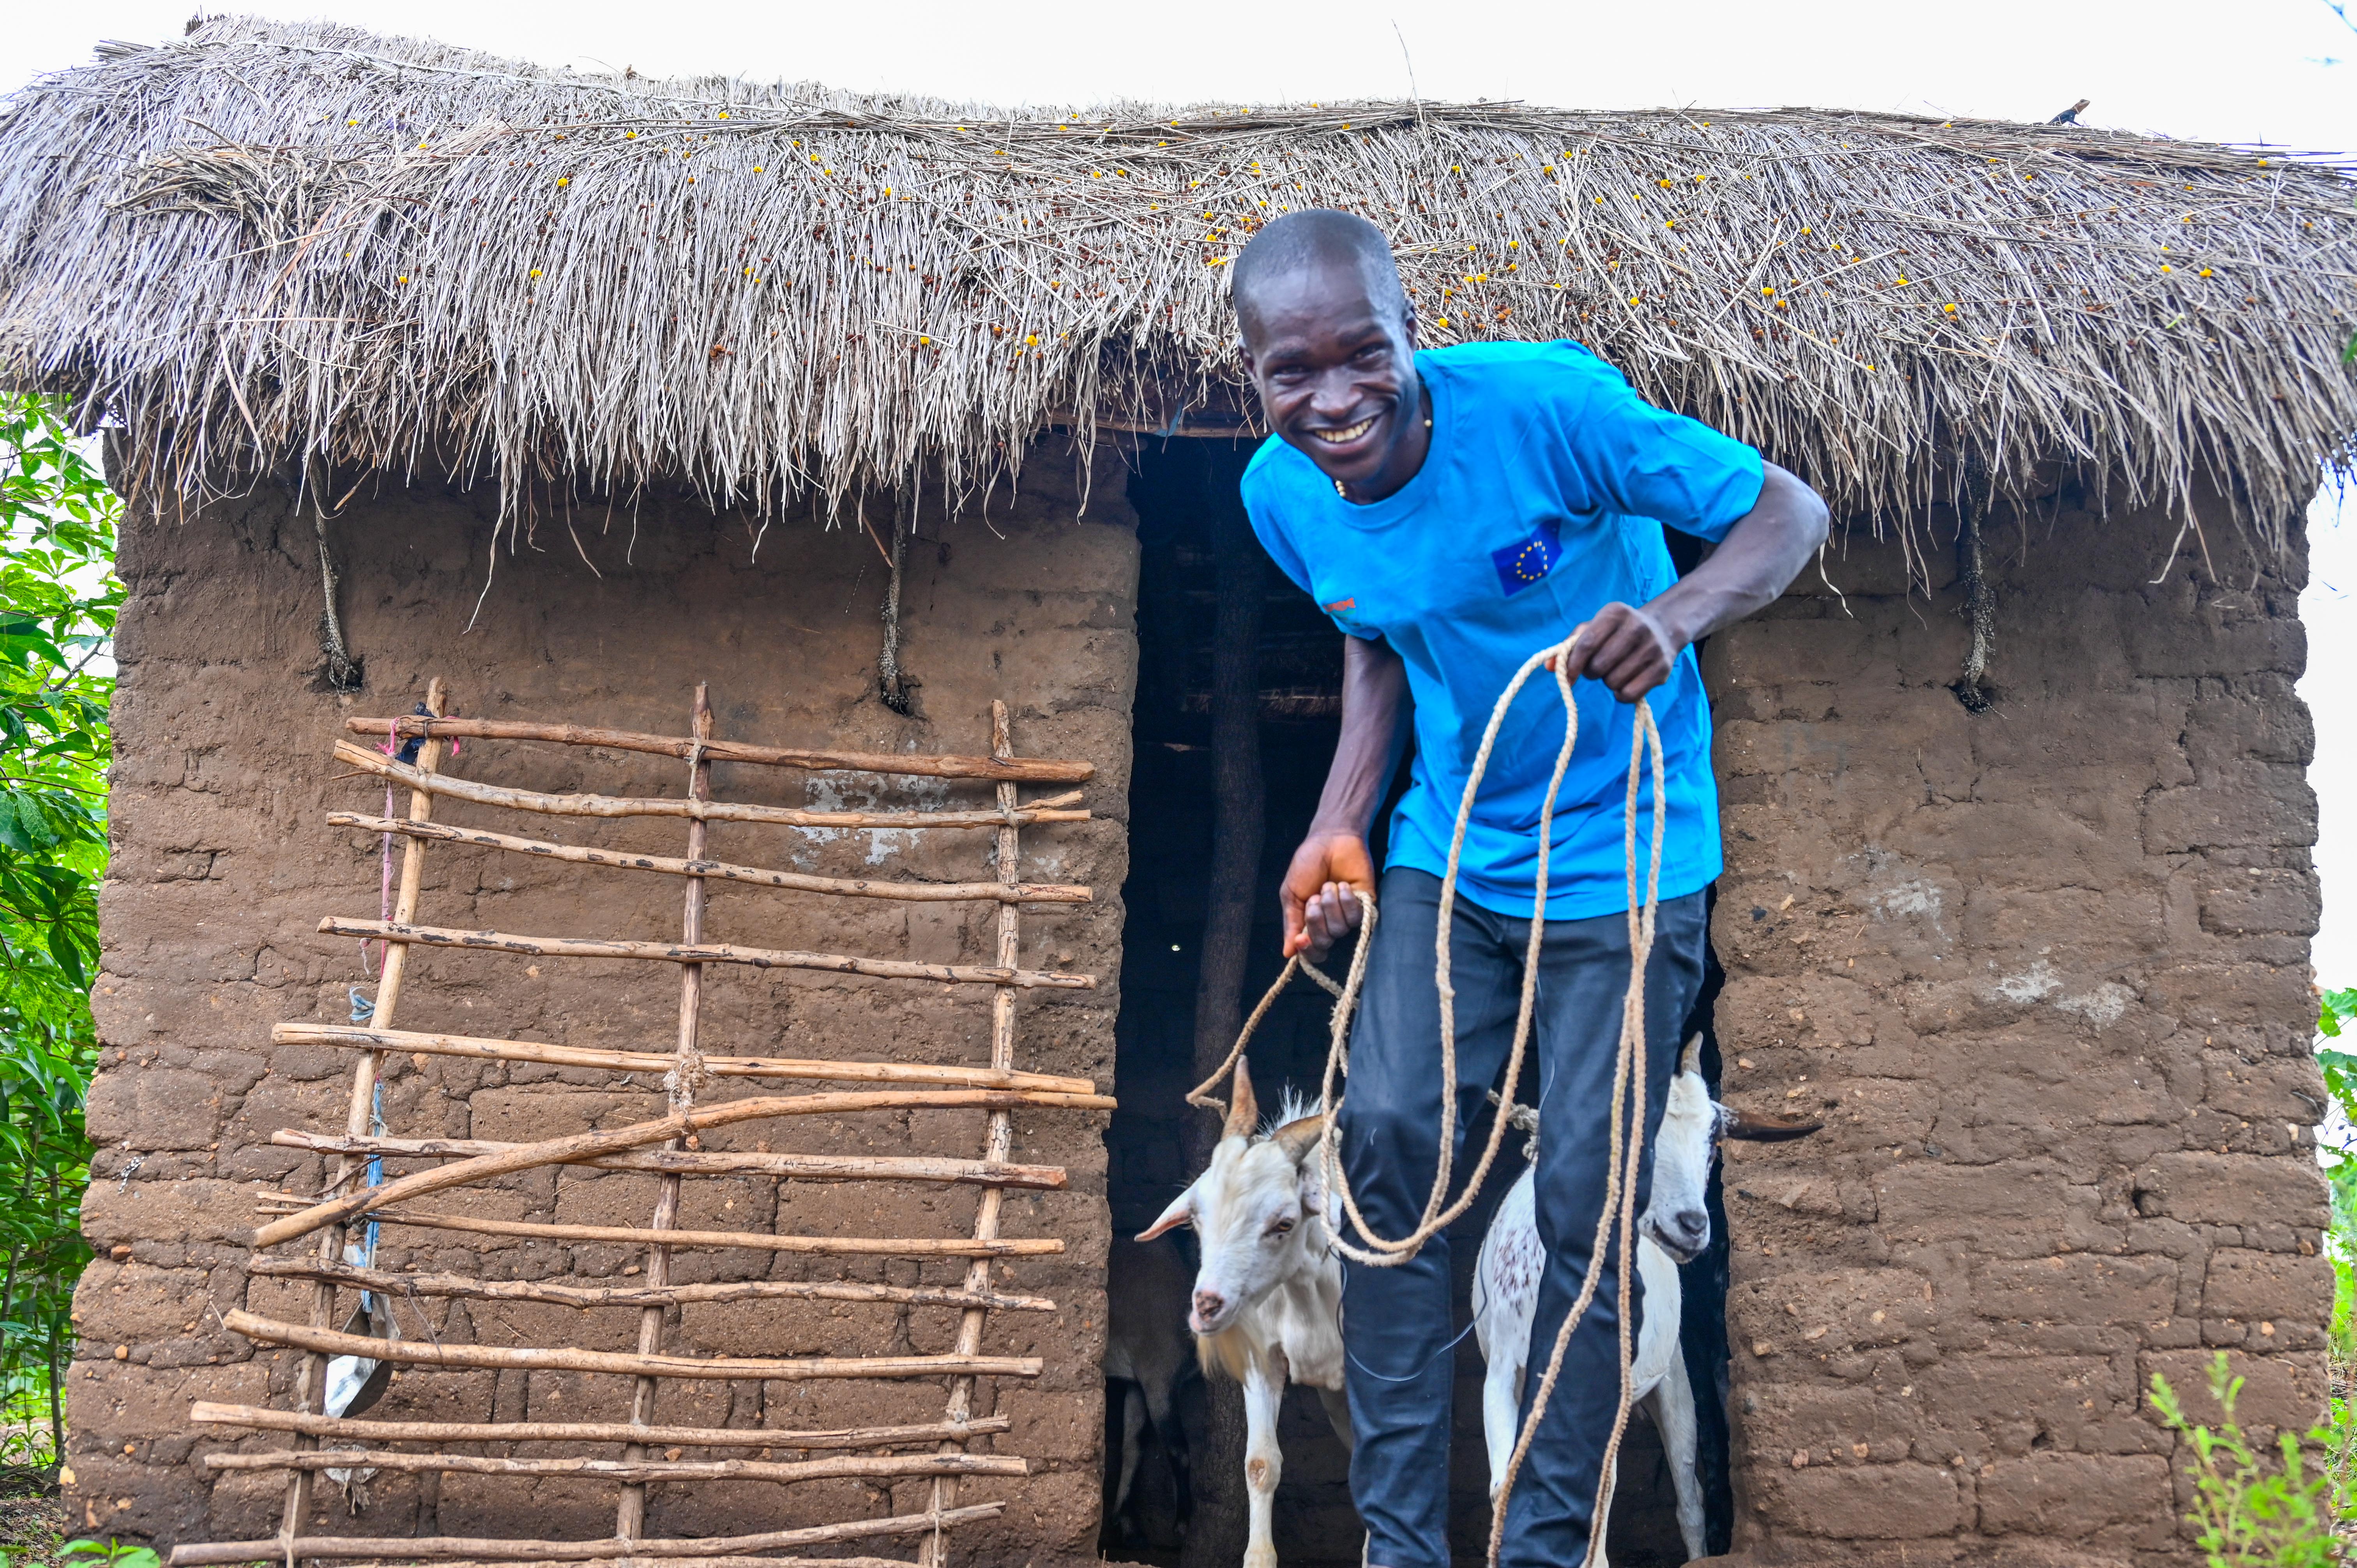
{"x": 267, "y": 243}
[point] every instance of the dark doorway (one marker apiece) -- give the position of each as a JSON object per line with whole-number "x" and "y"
{"x": 1185, "y": 496}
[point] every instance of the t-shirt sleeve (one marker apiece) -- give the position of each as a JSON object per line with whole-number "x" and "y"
{"x": 1264, "y": 506}
{"x": 1633, "y": 457}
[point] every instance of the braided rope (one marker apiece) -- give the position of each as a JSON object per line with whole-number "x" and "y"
{"x": 1625, "y": 1153}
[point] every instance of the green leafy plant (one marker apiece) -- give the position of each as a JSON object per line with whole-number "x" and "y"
{"x": 2336, "y": 1020}
{"x": 59, "y": 599}
{"x": 2247, "y": 1512}
{"x": 112, "y": 1553}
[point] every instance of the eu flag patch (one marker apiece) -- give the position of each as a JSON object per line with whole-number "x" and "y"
{"x": 1519, "y": 565}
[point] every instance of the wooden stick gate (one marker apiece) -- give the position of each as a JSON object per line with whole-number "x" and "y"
{"x": 667, "y": 1147}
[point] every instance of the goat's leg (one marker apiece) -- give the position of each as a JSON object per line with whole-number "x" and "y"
{"x": 1162, "y": 1410}
{"x": 1673, "y": 1414}
{"x": 1133, "y": 1449}
{"x": 1501, "y": 1411}
{"x": 1264, "y": 1465}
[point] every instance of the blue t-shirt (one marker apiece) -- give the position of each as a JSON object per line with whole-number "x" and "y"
{"x": 1538, "y": 504}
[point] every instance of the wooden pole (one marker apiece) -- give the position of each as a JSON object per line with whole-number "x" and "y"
{"x": 352, "y": 1038}
{"x": 1052, "y": 809}
{"x": 565, "y": 1359}
{"x": 686, "y": 1078}
{"x": 1026, "y": 770}
{"x": 397, "y": 932}
{"x": 204, "y": 1413}
{"x": 720, "y": 871}
{"x": 311, "y": 1379}
{"x": 578, "y": 1146}
{"x": 639, "y": 1473}
{"x": 1000, "y": 1138}
{"x": 459, "y": 1285}
{"x": 511, "y": 1552}
{"x": 638, "y": 1559}
{"x": 807, "y": 1167}
{"x": 755, "y": 1240}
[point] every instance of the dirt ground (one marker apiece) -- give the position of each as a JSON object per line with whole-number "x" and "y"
{"x": 32, "y": 1530}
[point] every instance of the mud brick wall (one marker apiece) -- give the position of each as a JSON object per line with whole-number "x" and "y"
{"x": 223, "y": 865}
{"x": 2044, "y": 971}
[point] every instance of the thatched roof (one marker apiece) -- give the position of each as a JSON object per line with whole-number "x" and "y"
{"x": 267, "y": 240}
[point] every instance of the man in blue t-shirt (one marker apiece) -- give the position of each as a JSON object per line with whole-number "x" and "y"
{"x": 1455, "y": 510}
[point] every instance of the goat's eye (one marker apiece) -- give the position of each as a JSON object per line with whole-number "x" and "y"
{"x": 1280, "y": 1227}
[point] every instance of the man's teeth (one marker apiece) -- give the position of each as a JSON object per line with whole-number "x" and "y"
{"x": 1350, "y": 433}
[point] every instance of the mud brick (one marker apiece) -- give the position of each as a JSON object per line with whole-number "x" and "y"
{"x": 2012, "y": 1207}
{"x": 2265, "y": 805}
{"x": 2257, "y": 1286}
{"x": 1818, "y": 1313}
{"x": 2253, "y": 898}
{"x": 2284, "y": 1391}
{"x": 1863, "y": 1502}
{"x": 2231, "y": 1189}
{"x": 2287, "y": 1088}
{"x": 2069, "y": 1495}
{"x": 2076, "y": 1288}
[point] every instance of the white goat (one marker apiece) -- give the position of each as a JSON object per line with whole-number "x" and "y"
{"x": 1674, "y": 1230}
{"x": 1268, "y": 1294}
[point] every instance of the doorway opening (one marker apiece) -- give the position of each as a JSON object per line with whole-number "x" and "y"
{"x": 1195, "y": 545}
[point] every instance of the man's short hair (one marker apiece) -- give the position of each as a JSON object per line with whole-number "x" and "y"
{"x": 1320, "y": 236}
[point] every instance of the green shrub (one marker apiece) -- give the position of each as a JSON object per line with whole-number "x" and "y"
{"x": 57, "y": 604}
{"x": 2248, "y": 1512}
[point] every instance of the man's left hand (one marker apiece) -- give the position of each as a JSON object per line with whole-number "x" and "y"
{"x": 1626, "y": 647}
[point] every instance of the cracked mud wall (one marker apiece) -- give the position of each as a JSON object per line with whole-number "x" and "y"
{"x": 2044, "y": 971}
{"x": 223, "y": 865}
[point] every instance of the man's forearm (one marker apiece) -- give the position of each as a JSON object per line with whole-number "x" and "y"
{"x": 1759, "y": 558}
{"x": 1375, "y": 696}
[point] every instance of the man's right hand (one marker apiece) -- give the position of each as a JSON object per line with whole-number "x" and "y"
{"x": 1320, "y": 896}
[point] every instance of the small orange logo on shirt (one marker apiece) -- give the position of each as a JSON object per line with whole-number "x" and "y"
{"x": 1338, "y": 605}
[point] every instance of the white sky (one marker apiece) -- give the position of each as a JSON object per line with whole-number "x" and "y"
{"x": 2277, "y": 71}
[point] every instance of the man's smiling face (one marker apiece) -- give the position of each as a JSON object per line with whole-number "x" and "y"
{"x": 1336, "y": 372}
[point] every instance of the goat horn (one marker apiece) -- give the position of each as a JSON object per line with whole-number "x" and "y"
{"x": 1243, "y": 1113}
{"x": 1690, "y": 1058}
{"x": 1766, "y": 1126}
{"x": 1298, "y": 1137}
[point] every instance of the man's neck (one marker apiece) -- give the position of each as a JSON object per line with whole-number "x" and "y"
{"x": 1407, "y": 459}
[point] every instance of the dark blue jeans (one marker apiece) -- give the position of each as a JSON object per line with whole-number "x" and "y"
{"x": 1397, "y": 1322}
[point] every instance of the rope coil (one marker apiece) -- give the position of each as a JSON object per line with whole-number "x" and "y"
{"x": 1625, "y": 1153}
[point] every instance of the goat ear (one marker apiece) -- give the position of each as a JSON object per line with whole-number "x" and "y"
{"x": 1243, "y": 1113}
{"x": 1764, "y": 1126}
{"x": 1181, "y": 1211}
{"x": 1690, "y": 1058}
{"x": 1299, "y": 1138}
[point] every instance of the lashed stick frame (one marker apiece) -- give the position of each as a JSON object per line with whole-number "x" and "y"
{"x": 314, "y": 1228}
